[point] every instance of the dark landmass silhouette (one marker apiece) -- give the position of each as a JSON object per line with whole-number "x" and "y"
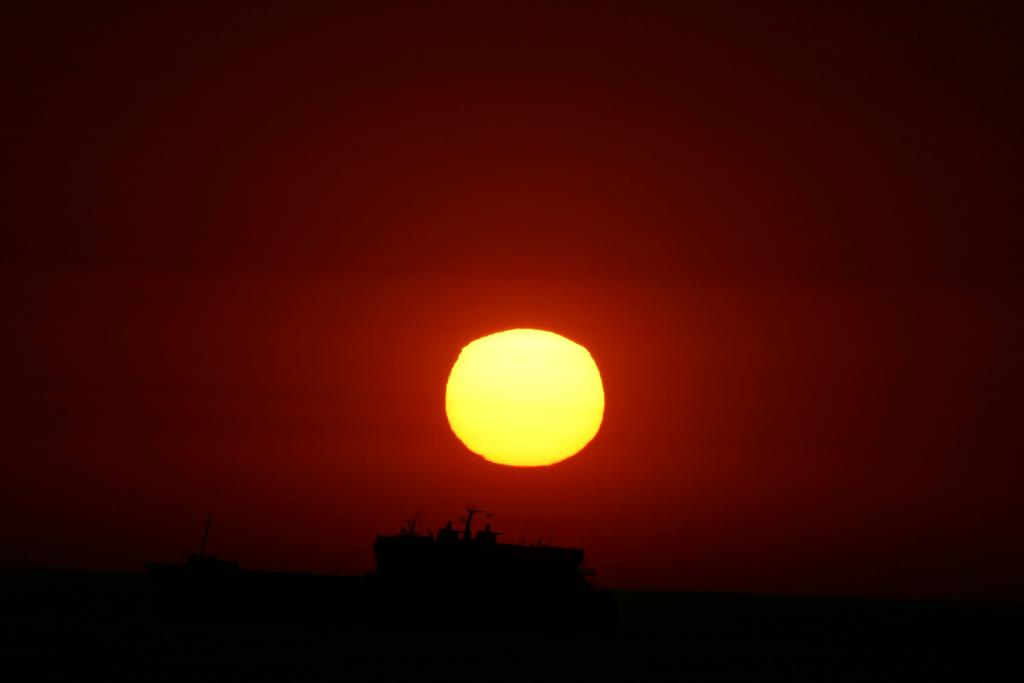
{"x": 68, "y": 623}
{"x": 433, "y": 610}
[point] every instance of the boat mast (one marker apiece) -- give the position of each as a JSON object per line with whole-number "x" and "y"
{"x": 467, "y": 532}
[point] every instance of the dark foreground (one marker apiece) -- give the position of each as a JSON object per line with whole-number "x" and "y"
{"x": 72, "y": 624}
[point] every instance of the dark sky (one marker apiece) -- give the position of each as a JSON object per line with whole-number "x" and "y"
{"x": 242, "y": 250}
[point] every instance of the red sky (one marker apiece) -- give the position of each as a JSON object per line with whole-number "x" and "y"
{"x": 243, "y": 250}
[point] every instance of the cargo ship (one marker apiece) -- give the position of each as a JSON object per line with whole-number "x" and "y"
{"x": 469, "y": 576}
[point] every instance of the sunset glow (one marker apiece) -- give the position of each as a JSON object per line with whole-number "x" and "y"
{"x": 525, "y": 397}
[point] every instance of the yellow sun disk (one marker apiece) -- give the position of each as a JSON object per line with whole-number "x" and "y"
{"x": 524, "y": 397}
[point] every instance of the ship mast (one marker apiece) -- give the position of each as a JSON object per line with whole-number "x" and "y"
{"x": 467, "y": 532}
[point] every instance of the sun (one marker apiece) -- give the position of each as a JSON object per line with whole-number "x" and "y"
{"x": 524, "y": 397}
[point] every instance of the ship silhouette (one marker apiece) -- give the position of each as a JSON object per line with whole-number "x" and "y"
{"x": 454, "y": 577}
{"x": 199, "y": 564}
{"x": 208, "y": 587}
{"x": 458, "y": 575}
{"x": 461, "y": 560}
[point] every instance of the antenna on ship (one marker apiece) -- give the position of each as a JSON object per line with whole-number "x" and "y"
{"x": 206, "y": 535}
{"x": 410, "y": 525}
{"x": 467, "y": 531}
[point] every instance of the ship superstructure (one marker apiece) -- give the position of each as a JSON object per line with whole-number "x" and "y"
{"x": 462, "y": 576}
{"x": 462, "y": 558}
